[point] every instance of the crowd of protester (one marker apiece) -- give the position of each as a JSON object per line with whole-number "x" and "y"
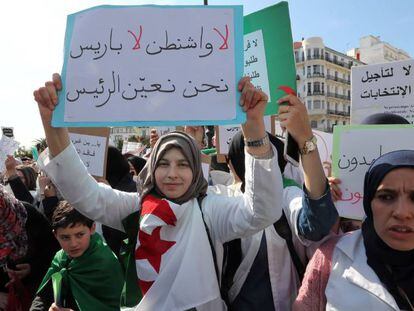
{"x": 155, "y": 234}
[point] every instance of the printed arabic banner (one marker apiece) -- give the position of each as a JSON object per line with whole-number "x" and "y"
{"x": 385, "y": 87}
{"x": 354, "y": 149}
{"x": 268, "y": 52}
{"x": 152, "y": 65}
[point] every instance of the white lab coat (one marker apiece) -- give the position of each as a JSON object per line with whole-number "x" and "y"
{"x": 227, "y": 218}
{"x": 352, "y": 284}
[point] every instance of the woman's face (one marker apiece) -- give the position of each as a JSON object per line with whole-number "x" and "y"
{"x": 393, "y": 209}
{"x": 173, "y": 175}
{"x": 132, "y": 169}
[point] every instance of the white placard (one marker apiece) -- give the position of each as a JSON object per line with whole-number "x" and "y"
{"x": 255, "y": 61}
{"x": 7, "y": 147}
{"x": 151, "y": 64}
{"x": 383, "y": 88}
{"x": 91, "y": 150}
{"x": 355, "y": 148}
{"x": 226, "y": 133}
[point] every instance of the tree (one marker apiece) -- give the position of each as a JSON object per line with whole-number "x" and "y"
{"x": 40, "y": 144}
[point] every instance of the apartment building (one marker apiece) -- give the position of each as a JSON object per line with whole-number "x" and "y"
{"x": 372, "y": 50}
{"x": 324, "y": 82}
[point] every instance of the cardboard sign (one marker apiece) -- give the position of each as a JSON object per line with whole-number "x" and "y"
{"x": 355, "y": 148}
{"x": 152, "y": 65}
{"x": 268, "y": 52}
{"x": 92, "y": 147}
{"x": 383, "y": 88}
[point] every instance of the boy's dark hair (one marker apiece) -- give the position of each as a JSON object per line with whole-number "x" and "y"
{"x": 66, "y": 216}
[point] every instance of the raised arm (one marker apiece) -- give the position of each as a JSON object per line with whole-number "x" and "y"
{"x": 47, "y": 99}
{"x": 318, "y": 213}
{"x": 67, "y": 172}
{"x": 261, "y": 203}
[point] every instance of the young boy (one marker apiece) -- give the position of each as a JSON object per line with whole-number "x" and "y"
{"x": 84, "y": 274}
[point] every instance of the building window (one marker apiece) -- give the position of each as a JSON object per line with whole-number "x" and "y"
{"x": 323, "y": 87}
{"x": 309, "y": 104}
{"x": 316, "y": 53}
{"x": 316, "y": 104}
{"x": 303, "y": 70}
{"x": 308, "y": 53}
{"x": 314, "y": 124}
{"x": 309, "y": 88}
{"x": 316, "y": 87}
{"x": 309, "y": 70}
{"x": 343, "y": 122}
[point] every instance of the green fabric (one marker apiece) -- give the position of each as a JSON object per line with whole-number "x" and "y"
{"x": 290, "y": 183}
{"x": 131, "y": 292}
{"x": 95, "y": 279}
{"x": 210, "y": 151}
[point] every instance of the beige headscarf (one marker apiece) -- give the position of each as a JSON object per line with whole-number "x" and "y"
{"x": 187, "y": 145}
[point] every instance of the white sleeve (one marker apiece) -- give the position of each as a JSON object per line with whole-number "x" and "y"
{"x": 229, "y": 218}
{"x": 95, "y": 200}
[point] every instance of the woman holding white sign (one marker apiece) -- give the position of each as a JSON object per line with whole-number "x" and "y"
{"x": 371, "y": 268}
{"x": 171, "y": 250}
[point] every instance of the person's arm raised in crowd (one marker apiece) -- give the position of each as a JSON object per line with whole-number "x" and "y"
{"x": 253, "y": 102}
{"x": 47, "y": 99}
{"x": 318, "y": 214}
{"x": 294, "y": 117}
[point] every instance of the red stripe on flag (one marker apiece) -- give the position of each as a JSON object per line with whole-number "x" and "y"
{"x": 159, "y": 208}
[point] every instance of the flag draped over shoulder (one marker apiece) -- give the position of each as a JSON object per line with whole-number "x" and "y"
{"x": 173, "y": 256}
{"x": 95, "y": 279}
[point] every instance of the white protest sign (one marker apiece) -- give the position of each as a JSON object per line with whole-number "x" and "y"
{"x": 383, "y": 88}
{"x": 7, "y": 147}
{"x": 255, "y": 61}
{"x": 225, "y": 133}
{"x": 355, "y": 148}
{"x": 152, "y": 64}
{"x": 92, "y": 150}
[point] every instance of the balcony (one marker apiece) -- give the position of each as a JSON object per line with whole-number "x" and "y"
{"x": 336, "y": 95}
{"x": 337, "y": 113}
{"x": 316, "y": 93}
{"x": 314, "y": 56}
{"x": 316, "y": 75}
{"x": 338, "y": 62}
{"x": 334, "y": 78}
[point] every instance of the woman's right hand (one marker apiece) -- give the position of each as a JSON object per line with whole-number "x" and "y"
{"x": 47, "y": 97}
{"x": 11, "y": 164}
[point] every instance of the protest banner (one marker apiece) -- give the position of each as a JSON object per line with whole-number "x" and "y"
{"x": 268, "y": 52}
{"x": 383, "y": 88}
{"x": 92, "y": 146}
{"x": 225, "y": 133}
{"x": 354, "y": 149}
{"x": 152, "y": 65}
{"x": 7, "y": 147}
{"x": 7, "y": 131}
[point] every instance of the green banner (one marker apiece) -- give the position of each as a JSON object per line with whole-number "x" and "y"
{"x": 268, "y": 52}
